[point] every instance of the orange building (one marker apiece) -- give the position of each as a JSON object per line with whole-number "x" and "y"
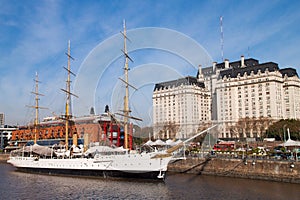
{"x": 97, "y": 127}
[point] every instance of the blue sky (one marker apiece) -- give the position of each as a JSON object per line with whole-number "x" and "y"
{"x": 34, "y": 35}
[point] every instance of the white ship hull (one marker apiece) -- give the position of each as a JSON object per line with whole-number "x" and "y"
{"x": 127, "y": 165}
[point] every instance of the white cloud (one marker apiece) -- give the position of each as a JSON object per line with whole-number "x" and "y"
{"x": 34, "y": 38}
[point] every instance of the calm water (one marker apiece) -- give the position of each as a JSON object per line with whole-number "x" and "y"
{"x": 18, "y": 185}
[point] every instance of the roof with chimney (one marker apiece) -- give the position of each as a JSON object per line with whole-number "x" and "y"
{"x": 255, "y": 68}
{"x": 251, "y": 65}
{"x": 237, "y": 64}
{"x": 189, "y": 80}
{"x": 290, "y": 72}
{"x": 235, "y": 68}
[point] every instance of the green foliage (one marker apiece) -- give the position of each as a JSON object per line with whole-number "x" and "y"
{"x": 279, "y": 129}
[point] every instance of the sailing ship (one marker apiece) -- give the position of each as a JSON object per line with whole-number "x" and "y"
{"x": 97, "y": 160}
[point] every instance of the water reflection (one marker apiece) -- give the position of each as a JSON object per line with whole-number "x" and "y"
{"x": 18, "y": 185}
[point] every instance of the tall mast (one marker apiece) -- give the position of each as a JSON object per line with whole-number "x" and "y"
{"x": 126, "y": 98}
{"x": 68, "y": 97}
{"x": 126, "y": 110}
{"x": 36, "y": 106}
{"x": 36, "y": 120}
{"x": 68, "y": 114}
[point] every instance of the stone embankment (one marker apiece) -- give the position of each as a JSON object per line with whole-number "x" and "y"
{"x": 283, "y": 171}
{"x": 3, "y": 157}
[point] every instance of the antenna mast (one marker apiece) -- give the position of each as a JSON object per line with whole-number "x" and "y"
{"x": 222, "y": 38}
{"x": 248, "y": 52}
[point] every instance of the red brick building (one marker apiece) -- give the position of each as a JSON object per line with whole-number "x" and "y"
{"x": 97, "y": 127}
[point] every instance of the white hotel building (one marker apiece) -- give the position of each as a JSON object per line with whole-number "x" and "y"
{"x": 180, "y": 107}
{"x": 243, "y": 97}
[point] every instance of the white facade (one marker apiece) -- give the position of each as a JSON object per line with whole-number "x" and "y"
{"x": 291, "y": 97}
{"x": 180, "y": 107}
{"x": 2, "y": 119}
{"x": 244, "y": 97}
{"x": 250, "y": 96}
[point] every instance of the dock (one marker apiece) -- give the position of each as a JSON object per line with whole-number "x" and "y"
{"x": 4, "y": 157}
{"x": 271, "y": 170}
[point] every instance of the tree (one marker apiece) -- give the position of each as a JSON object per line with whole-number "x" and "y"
{"x": 169, "y": 130}
{"x": 252, "y": 127}
{"x": 278, "y": 130}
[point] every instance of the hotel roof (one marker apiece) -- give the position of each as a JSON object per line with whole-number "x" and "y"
{"x": 189, "y": 80}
